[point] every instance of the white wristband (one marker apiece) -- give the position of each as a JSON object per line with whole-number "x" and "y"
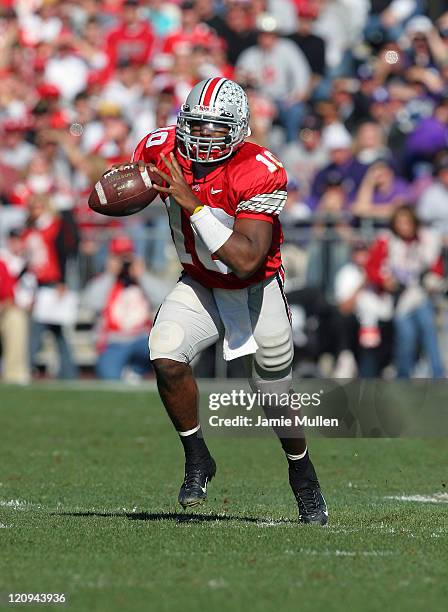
{"x": 211, "y": 230}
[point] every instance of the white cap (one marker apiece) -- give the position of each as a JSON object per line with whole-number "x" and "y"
{"x": 336, "y": 136}
{"x": 419, "y": 24}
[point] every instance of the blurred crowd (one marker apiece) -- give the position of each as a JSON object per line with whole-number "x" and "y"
{"x": 351, "y": 95}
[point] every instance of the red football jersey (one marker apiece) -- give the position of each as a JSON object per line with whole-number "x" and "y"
{"x": 132, "y": 44}
{"x": 251, "y": 184}
{"x": 40, "y": 248}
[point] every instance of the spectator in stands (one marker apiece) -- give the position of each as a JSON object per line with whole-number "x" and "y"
{"x": 237, "y": 30}
{"x": 305, "y": 156}
{"x": 370, "y": 143}
{"x": 281, "y": 71}
{"x": 367, "y": 310}
{"x": 432, "y": 207}
{"x": 59, "y": 167}
{"x": 14, "y": 302}
{"x": 386, "y": 19}
{"x": 144, "y": 118}
{"x": 343, "y": 95}
{"x": 212, "y": 60}
{"x": 66, "y": 70}
{"x": 262, "y": 115}
{"x": 14, "y": 315}
{"x": 442, "y": 25}
{"x": 283, "y": 11}
{"x": 334, "y": 198}
{"x": 367, "y": 81}
{"x": 317, "y": 330}
{"x": 380, "y": 108}
{"x": 10, "y": 34}
{"x": 38, "y": 179}
{"x": 45, "y": 257}
{"x": 109, "y": 136}
{"x": 207, "y": 13}
{"x": 15, "y": 151}
{"x": 341, "y": 23}
{"x": 406, "y": 262}
{"x": 191, "y": 32}
{"x": 163, "y": 16}
{"x": 125, "y": 297}
{"x": 311, "y": 45}
{"x": 132, "y": 40}
{"x": 123, "y": 89}
{"x": 295, "y": 211}
{"x": 426, "y": 50}
{"x": 429, "y": 137}
{"x": 338, "y": 142}
{"x": 380, "y": 192}
{"x": 330, "y": 249}
{"x": 41, "y": 25}
{"x": 92, "y": 47}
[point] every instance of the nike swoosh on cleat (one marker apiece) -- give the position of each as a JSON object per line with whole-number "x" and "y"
{"x": 213, "y": 191}
{"x": 204, "y": 489}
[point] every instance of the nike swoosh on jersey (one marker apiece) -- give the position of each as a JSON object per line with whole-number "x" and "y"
{"x": 213, "y": 191}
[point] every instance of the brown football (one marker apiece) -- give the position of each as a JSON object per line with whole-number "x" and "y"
{"x": 124, "y": 192}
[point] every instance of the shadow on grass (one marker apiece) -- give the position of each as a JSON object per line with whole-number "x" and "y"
{"x": 177, "y": 517}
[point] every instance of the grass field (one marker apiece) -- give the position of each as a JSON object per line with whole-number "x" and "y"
{"x": 88, "y": 488}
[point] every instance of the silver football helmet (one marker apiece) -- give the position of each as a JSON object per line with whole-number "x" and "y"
{"x": 218, "y": 102}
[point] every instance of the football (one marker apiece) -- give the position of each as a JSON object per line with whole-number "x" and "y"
{"x": 123, "y": 192}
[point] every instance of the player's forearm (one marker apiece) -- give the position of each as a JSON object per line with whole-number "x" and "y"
{"x": 242, "y": 255}
{"x": 243, "y": 248}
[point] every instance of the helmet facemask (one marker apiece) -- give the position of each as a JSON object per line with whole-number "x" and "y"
{"x": 207, "y": 149}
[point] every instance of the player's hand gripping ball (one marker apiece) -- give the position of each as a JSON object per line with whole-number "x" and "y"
{"x": 124, "y": 190}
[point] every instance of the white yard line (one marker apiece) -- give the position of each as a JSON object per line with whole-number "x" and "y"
{"x": 341, "y": 553}
{"x": 273, "y": 522}
{"x": 436, "y": 498}
{"x": 16, "y": 504}
{"x": 19, "y": 504}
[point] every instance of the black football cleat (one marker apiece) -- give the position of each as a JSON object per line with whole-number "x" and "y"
{"x": 194, "y": 487}
{"x": 311, "y": 502}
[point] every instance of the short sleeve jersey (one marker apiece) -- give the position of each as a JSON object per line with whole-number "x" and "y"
{"x": 251, "y": 184}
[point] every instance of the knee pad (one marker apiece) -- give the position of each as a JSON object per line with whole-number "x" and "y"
{"x": 275, "y": 353}
{"x": 166, "y": 341}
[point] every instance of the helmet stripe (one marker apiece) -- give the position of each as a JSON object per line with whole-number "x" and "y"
{"x": 216, "y": 91}
{"x": 204, "y": 91}
{"x": 209, "y": 91}
{"x": 204, "y": 87}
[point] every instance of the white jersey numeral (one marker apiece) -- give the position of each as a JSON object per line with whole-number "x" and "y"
{"x": 157, "y": 138}
{"x": 203, "y": 254}
{"x": 175, "y": 216}
{"x": 269, "y": 160}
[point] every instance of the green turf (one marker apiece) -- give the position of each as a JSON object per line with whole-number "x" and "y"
{"x": 88, "y": 487}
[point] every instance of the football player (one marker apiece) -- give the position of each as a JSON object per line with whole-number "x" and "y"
{"x": 223, "y": 197}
